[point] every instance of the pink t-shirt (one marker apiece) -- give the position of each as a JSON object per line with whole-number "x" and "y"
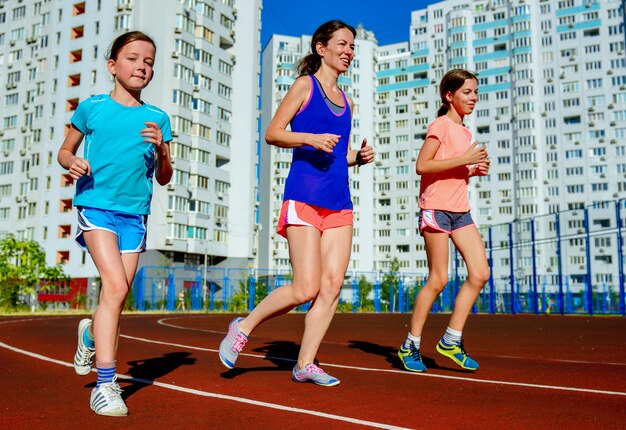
{"x": 447, "y": 190}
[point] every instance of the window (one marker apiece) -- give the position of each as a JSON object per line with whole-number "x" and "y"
{"x": 224, "y": 90}
{"x": 593, "y": 83}
{"x": 573, "y": 153}
{"x": 603, "y": 186}
{"x": 225, "y": 68}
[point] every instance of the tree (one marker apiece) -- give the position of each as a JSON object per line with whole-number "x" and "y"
{"x": 390, "y": 280}
{"x": 239, "y": 300}
{"x": 365, "y": 288}
{"x": 22, "y": 268}
{"x": 261, "y": 290}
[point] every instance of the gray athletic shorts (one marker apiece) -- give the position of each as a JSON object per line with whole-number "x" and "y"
{"x": 443, "y": 221}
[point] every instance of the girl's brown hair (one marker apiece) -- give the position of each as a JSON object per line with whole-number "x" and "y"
{"x": 452, "y": 81}
{"x": 312, "y": 62}
{"x": 125, "y": 39}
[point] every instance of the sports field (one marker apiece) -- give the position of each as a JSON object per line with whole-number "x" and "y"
{"x": 537, "y": 372}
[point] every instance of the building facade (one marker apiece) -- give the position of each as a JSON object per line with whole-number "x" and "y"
{"x": 53, "y": 55}
{"x": 551, "y": 110}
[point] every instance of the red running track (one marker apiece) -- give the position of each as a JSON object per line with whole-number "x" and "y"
{"x": 536, "y": 372}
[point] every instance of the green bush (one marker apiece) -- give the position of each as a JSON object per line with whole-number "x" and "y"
{"x": 23, "y": 269}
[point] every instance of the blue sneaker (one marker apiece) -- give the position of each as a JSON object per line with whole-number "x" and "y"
{"x": 83, "y": 359}
{"x": 312, "y": 373}
{"x": 232, "y": 345}
{"x": 457, "y": 354}
{"x": 411, "y": 358}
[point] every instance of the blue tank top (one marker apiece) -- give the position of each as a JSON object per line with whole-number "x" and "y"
{"x": 316, "y": 177}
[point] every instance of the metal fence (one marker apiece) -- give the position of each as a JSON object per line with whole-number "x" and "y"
{"x": 570, "y": 262}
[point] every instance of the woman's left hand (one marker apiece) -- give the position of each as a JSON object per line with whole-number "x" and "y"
{"x": 482, "y": 168}
{"x": 152, "y": 134}
{"x": 366, "y": 154}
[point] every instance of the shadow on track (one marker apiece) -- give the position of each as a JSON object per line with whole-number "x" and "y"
{"x": 151, "y": 369}
{"x": 391, "y": 356}
{"x": 283, "y": 354}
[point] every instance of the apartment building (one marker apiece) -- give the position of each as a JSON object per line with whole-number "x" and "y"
{"x": 552, "y": 112}
{"x": 53, "y": 55}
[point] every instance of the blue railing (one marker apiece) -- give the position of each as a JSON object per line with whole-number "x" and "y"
{"x": 570, "y": 262}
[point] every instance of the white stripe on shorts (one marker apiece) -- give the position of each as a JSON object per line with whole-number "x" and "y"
{"x": 85, "y": 225}
{"x": 292, "y": 217}
{"x": 428, "y": 218}
{"x": 142, "y": 245}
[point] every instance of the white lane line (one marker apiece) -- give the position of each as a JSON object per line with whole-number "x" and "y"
{"x": 509, "y": 357}
{"x": 10, "y": 321}
{"x": 166, "y": 324}
{"x": 219, "y": 396}
{"x": 401, "y": 372}
{"x": 558, "y": 360}
{"x": 222, "y": 333}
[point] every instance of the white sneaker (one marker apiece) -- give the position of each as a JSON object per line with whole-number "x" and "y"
{"x": 83, "y": 359}
{"x": 107, "y": 400}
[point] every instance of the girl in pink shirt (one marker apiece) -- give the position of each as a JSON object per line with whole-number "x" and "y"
{"x": 446, "y": 161}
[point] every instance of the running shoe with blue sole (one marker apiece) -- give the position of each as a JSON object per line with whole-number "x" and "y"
{"x": 312, "y": 373}
{"x": 232, "y": 345}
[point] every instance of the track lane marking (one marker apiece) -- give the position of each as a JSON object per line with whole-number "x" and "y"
{"x": 485, "y": 381}
{"x": 163, "y": 322}
{"x": 221, "y": 333}
{"x": 559, "y": 360}
{"x": 201, "y": 393}
{"x": 401, "y": 372}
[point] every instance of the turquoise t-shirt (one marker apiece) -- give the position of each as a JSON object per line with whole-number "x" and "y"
{"x": 122, "y": 163}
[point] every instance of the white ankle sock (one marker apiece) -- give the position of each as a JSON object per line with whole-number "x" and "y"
{"x": 415, "y": 339}
{"x": 452, "y": 336}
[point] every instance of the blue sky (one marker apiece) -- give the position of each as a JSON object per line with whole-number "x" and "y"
{"x": 389, "y": 20}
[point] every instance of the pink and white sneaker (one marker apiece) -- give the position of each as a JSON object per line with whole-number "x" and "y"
{"x": 312, "y": 373}
{"x": 232, "y": 345}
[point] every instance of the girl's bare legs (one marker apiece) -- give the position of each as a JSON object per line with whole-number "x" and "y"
{"x": 471, "y": 247}
{"x": 437, "y": 255}
{"x": 306, "y": 262}
{"x": 116, "y": 272}
{"x": 336, "y": 245}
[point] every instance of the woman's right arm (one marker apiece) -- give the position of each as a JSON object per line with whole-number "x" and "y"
{"x": 67, "y": 158}
{"x": 277, "y": 134}
{"x": 426, "y": 162}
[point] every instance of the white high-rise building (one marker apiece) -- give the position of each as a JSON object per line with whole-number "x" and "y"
{"x": 53, "y": 55}
{"x": 552, "y": 112}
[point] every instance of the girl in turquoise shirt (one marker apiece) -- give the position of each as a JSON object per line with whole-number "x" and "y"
{"x": 126, "y": 144}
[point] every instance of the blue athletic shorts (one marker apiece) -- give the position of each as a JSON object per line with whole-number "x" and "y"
{"x": 443, "y": 221}
{"x": 130, "y": 229}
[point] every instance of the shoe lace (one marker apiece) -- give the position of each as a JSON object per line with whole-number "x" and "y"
{"x": 240, "y": 342}
{"x": 460, "y": 345}
{"x": 115, "y": 387}
{"x": 87, "y": 356}
{"x": 314, "y": 369}
{"x": 111, "y": 391}
{"x": 415, "y": 353}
